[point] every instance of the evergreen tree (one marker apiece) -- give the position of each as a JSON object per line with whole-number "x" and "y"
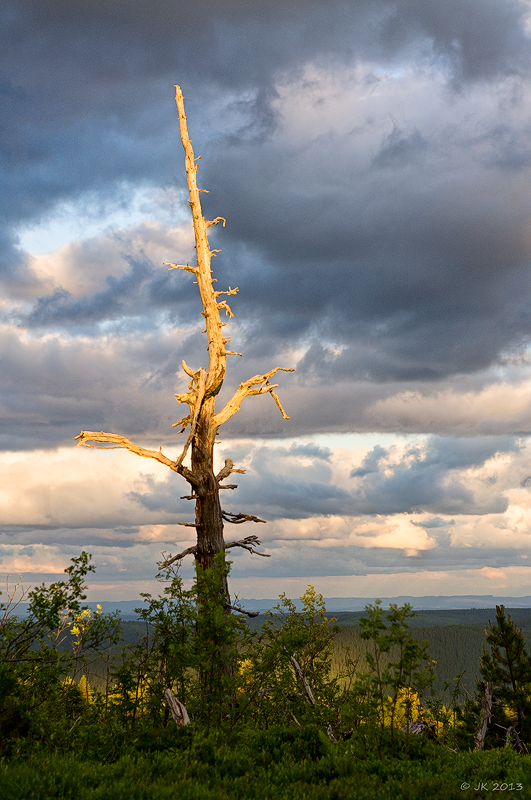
{"x": 507, "y": 666}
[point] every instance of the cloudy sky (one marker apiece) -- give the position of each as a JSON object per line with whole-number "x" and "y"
{"x": 373, "y": 163}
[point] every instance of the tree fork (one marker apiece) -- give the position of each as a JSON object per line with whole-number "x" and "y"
{"x": 203, "y": 388}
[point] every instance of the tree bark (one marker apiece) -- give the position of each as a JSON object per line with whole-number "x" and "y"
{"x": 208, "y": 514}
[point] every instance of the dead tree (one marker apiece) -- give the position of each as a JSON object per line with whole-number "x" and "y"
{"x": 485, "y": 715}
{"x": 202, "y": 419}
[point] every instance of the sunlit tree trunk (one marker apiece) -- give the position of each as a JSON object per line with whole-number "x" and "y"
{"x": 202, "y": 420}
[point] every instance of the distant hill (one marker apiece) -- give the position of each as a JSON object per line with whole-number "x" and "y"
{"x": 354, "y": 605}
{"x": 428, "y": 602}
{"x": 440, "y": 618}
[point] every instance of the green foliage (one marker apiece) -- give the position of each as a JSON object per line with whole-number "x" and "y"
{"x": 38, "y": 695}
{"x": 399, "y": 670}
{"x": 270, "y": 714}
{"x": 456, "y": 649}
{"x": 218, "y": 640}
{"x": 508, "y": 667}
{"x": 299, "y": 744}
{"x": 271, "y": 691}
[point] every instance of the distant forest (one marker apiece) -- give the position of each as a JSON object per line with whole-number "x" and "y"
{"x": 456, "y": 639}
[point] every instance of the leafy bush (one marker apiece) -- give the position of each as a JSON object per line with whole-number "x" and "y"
{"x": 270, "y": 717}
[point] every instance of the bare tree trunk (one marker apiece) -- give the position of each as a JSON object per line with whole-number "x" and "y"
{"x": 208, "y": 514}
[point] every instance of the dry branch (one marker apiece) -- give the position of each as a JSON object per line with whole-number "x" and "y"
{"x": 216, "y": 221}
{"x": 237, "y": 519}
{"x": 200, "y": 381}
{"x": 418, "y": 726}
{"x": 300, "y": 675}
{"x": 216, "y": 348}
{"x": 259, "y": 384}
{"x": 173, "y": 559}
{"x": 227, "y": 470}
{"x": 485, "y": 715}
{"x": 243, "y": 611}
{"x": 248, "y": 544}
{"x": 121, "y": 442}
{"x": 185, "y": 267}
{"x": 512, "y": 737}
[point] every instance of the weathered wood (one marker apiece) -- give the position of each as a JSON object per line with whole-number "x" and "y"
{"x": 241, "y": 610}
{"x": 200, "y": 398}
{"x": 178, "y": 710}
{"x": 419, "y": 726}
{"x": 512, "y": 739}
{"x": 248, "y": 544}
{"x": 485, "y": 715}
{"x": 301, "y": 676}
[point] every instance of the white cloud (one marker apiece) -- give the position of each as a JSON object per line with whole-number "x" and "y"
{"x": 75, "y": 488}
{"x": 82, "y": 267}
{"x": 93, "y": 216}
{"x": 497, "y": 407}
{"x": 124, "y": 510}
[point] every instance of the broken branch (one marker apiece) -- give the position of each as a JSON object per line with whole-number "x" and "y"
{"x": 227, "y": 470}
{"x": 225, "y": 305}
{"x": 259, "y": 384}
{"x": 237, "y": 519}
{"x": 173, "y": 559}
{"x": 200, "y": 380}
{"x": 185, "y": 267}
{"x": 216, "y": 221}
{"x": 243, "y": 611}
{"x": 178, "y": 710}
{"x": 300, "y": 675}
{"x": 247, "y": 544}
{"x": 118, "y": 441}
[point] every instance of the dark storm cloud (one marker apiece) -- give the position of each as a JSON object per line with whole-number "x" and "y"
{"x": 403, "y": 260}
{"x": 53, "y": 387}
{"x": 70, "y": 538}
{"x": 301, "y": 560}
{"x": 443, "y": 453}
{"x": 435, "y": 522}
{"x": 303, "y": 492}
{"x": 423, "y": 479}
{"x": 310, "y": 451}
{"x": 144, "y": 288}
{"x": 398, "y": 150}
{"x": 157, "y": 498}
{"x": 482, "y": 37}
{"x": 61, "y": 307}
{"x": 401, "y": 270}
{"x": 85, "y": 85}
